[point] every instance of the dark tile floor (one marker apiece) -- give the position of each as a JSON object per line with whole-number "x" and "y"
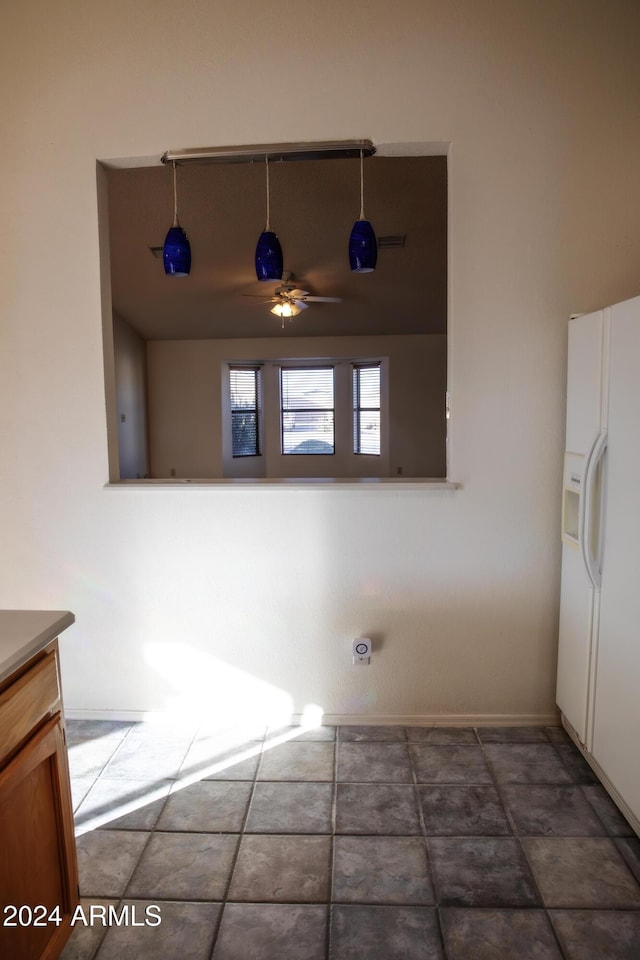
{"x": 349, "y": 843}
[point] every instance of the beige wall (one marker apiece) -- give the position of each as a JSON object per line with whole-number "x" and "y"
{"x": 459, "y": 589}
{"x": 185, "y": 394}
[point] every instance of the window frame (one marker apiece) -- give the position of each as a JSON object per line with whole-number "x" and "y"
{"x": 256, "y": 369}
{"x": 272, "y": 463}
{"x": 322, "y": 365}
{"x": 358, "y": 408}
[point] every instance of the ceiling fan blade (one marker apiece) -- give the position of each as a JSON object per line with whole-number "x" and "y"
{"x": 323, "y": 299}
{"x": 297, "y": 294}
{"x": 300, "y": 304}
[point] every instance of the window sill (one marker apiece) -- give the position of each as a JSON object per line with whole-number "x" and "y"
{"x": 326, "y": 482}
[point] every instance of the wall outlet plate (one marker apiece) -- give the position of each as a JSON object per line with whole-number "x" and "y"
{"x": 361, "y": 650}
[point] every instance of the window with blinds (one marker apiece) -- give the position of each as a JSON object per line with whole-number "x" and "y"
{"x": 307, "y": 411}
{"x": 244, "y": 389}
{"x": 366, "y": 408}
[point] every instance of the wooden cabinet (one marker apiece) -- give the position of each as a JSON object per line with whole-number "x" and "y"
{"x": 38, "y": 867}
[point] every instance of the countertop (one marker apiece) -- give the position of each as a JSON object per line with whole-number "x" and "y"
{"x": 23, "y": 633}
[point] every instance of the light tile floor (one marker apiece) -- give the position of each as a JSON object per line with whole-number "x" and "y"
{"x": 349, "y": 843}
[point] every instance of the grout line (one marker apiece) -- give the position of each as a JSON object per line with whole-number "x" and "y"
{"x": 241, "y": 833}
{"x": 413, "y": 755}
{"x": 334, "y": 825}
{"x": 547, "y": 911}
{"x": 94, "y": 955}
{"x": 516, "y": 835}
{"x": 430, "y": 871}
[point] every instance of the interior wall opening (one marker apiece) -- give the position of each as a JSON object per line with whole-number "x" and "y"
{"x": 170, "y": 341}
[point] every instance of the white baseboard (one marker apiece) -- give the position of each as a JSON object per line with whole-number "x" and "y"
{"x": 129, "y": 716}
{"x": 352, "y": 719}
{"x": 445, "y": 720}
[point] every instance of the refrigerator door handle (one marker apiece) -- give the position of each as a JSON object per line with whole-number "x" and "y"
{"x": 586, "y": 514}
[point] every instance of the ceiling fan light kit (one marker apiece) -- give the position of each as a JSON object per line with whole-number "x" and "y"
{"x": 289, "y": 300}
{"x": 287, "y": 309}
{"x": 176, "y": 252}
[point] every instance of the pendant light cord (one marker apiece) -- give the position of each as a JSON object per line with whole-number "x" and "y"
{"x": 266, "y": 163}
{"x": 362, "y": 216}
{"x": 175, "y": 197}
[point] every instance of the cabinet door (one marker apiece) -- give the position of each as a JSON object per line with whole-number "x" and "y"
{"x": 37, "y": 849}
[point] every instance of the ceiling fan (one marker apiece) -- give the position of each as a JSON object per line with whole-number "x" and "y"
{"x": 290, "y": 299}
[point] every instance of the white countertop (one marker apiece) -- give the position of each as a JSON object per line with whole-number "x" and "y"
{"x": 23, "y": 633}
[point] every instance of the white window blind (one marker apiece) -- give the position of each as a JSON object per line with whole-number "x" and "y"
{"x": 366, "y": 408}
{"x": 307, "y": 413}
{"x": 244, "y": 390}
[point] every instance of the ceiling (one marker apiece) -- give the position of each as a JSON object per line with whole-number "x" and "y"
{"x": 313, "y": 206}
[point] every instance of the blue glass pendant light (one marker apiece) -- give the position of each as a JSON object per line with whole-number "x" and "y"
{"x": 176, "y": 253}
{"x": 363, "y": 247}
{"x": 268, "y": 250}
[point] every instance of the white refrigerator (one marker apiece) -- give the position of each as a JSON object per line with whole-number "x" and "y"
{"x": 598, "y": 690}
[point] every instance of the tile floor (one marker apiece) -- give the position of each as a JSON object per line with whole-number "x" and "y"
{"x": 349, "y": 843}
